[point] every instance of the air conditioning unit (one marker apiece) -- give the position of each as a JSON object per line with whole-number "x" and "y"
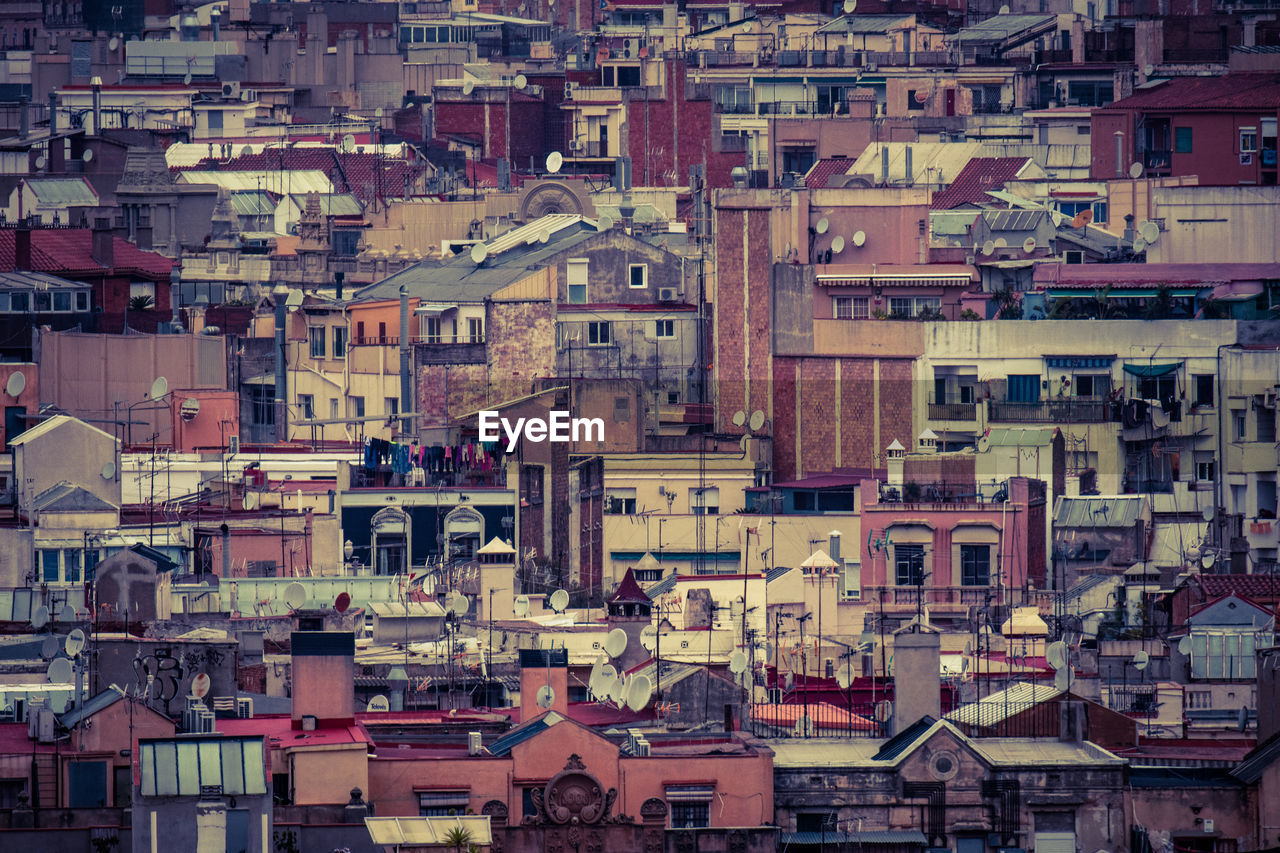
{"x": 475, "y": 743}
{"x": 668, "y": 294}
{"x": 569, "y": 88}
{"x": 231, "y": 91}
{"x": 630, "y": 48}
{"x": 198, "y": 721}
{"x": 871, "y": 66}
{"x": 575, "y": 145}
{"x": 642, "y": 748}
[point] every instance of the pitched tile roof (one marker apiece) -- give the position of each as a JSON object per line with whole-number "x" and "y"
{"x": 69, "y": 252}
{"x": 1260, "y": 587}
{"x": 1246, "y": 91}
{"x": 824, "y": 169}
{"x": 363, "y": 174}
{"x": 979, "y": 175}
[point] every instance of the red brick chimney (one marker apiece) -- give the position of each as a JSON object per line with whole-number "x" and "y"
{"x": 104, "y": 246}
{"x": 22, "y": 247}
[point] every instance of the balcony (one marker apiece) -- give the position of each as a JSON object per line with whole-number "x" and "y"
{"x": 934, "y": 596}
{"x": 966, "y": 412}
{"x": 1157, "y": 161}
{"x": 1062, "y": 411}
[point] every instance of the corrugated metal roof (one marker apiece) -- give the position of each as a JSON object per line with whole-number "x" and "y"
{"x": 884, "y": 836}
{"x": 63, "y": 192}
{"x": 1099, "y": 511}
{"x": 28, "y": 280}
{"x": 1019, "y": 437}
{"x": 522, "y": 733}
{"x": 866, "y": 24}
{"x": 332, "y": 204}
{"x": 105, "y": 699}
{"x": 662, "y": 587}
{"x": 252, "y": 203}
{"x": 1000, "y": 706}
{"x": 1014, "y": 220}
{"x": 775, "y": 573}
{"x": 295, "y": 181}
{"x": 931, "y": 162}
{"x": 1001, "y": 27}
{"x": 900, "y": 742}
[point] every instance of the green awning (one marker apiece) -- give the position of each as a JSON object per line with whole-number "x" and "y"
{"x": 1147, "y": 371}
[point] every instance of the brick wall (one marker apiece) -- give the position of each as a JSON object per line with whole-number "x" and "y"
{"x": 446, "y": 391}
{"x": 520, "y": 339}
{"x": 674, "y": 134}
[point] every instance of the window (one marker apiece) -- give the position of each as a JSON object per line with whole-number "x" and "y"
{"x": 1182, "y": 140}
{"x": 914, "y": 101}
{"x": 333, "y": 409}
{"x": 10, "y": 789}
{"x": 357, "y": 407}
{"x": 598, "y": 334}
{"x": 1204, "y": 471}
{"x": 215, "y": 119}
{"x": 1248, "y": 140}
{"x": 1162, "y": 388}
{"x": 704, "y": 501}
{"x": 664, "y": 328}
{"x": 315, "y": 334}
{"x": 690, "y": 805}
{"x": 262, "y": 401}
{"x": 307, "y": 406}
{"x": 44, "y": 301}
{"x": 392, "y": 405}
{"x": 431, "y": 330}
{"x": 1238, "y": 424}
{"x": 1223, "y": 654}
{"x": 1266, "y": 422}
{"x": 49, "y": 566}
{"x": 1092, "y": 385}
{"x": 909, "y": 564}
{"x": 442, "y": 803}
{"x": 576, "y": 277}
{"x": 849, "y": 308}
{"x": 620, "y": 501}
{"x": 1024, "y": 388}
{"x": 975, "y": 565}
{"x": 1203, "y": 389}
{"x": 20, "y": 303}
{"x": 909, "y": 306}
{"x": 71, "y": 565}
{"x": 82, "y": 301}
{"x": 339, "y": 341}
{"x": 638, "y": 275}
{"x": 475, "y": 330}
{"x": 62, "y": 301}
{"x": 852, "y": 580}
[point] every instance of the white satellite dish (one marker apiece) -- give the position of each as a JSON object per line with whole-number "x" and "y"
{"x": 1002, "y": 243}
{"x": 546, "y": 696}
{"x": 16, "y": 385}
{"x": 859, "y": 238}
{"x": 823, "y": 225}
{"x": 41, "y": 162}
{"x": 757, "y": 420}
{"x": 113, "y": 43}
{"x": 459, "y": 604}
{"x": 1029, "y": 245}
{"x": 40, "y": 617}
{"x": 478, "y": 253}
{"x": 1056, "y": 654}
{"x": 1135, "y": 171}
{"x": 988, "y": 247}
{"x": 59, "y": 702}
{"x": 189, "y": 409}
{"x": 468, "y": 87}
{"x": 49, "y": 647}
{"x": 649, "y": 637}
{"x": 1139, "y": 245}
{"x": 618, "y": 693}
{"x": 849, "y": 6}
{"x": 74, "y": 644}
{"x": 1004, "y": 10}
{"x": 559, "y": 600}
{"x": 639, "y": 692}
{"x": 378, "y": 704}
{"x": 554, "y": 161}
{"x": 544, "y": 236}
{"x": 1150, "y": 232}
{"x": 766, "y": 653}
{"x": 108, "y": 470}
{"x": 1148, "y": 70}
{"x": 616, "y": 643}
{"x": 186, "y": 80}
{"x": 844, "y": 676}
{"x": 60, "y": 671}
{"x": 295, "y": 595}
{"x": 884, "y": 711}
{"x": 837, "y": 245}
{"x": 348, "y": 143}
{"x": 604, "y": 223}
{"x": 87, "y": 156}
{"x": 1207, "y": 559}
{"x": 737, "y": 662}
{"x": 159, "y": 388}
{"x": 739, "y": 418}
{"x": 1141, "y": 660}
{"x": 1184, "y": 646}
{"x": 520, "y": 82}
{"x": 521, "y": 606}
{"x": 294, "y": 300}
{"x": 1063, "y": 678}
{"x": 606, "y": 677}
{"x": 200, "y": 685}
{"x": 67, "y": 613}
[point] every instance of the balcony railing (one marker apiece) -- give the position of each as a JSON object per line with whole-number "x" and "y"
{"x": 953, "y": 411}
{"x": 1064, "y": 411}
{"x": 394, "y": 340}
{"x": 1155, "y": 159}
{"x": 964, "y": 596}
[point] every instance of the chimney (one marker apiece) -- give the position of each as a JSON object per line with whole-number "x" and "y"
{"x": 53, "y": 113}
{"x": 22, "y": 246}
{"x": 916, "y": 685}
{"x": 1128, "y": 227}
{"x": 895, "y": 462}
{"x": 215, "y": 20}
{"x": 1120, "y": 154}
{"x": 104, "y": 242}
{"x": 24, "y": 117}
{"x": 833, "y": 545}
{"x": 324, "y": 671}
{"x": 542, "y": 668}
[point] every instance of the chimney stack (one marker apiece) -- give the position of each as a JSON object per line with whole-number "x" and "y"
{"x": 324, "y": 670}
{"x": 917, "y": 688}
{"x": 22, "y": 246}
{"x": 104, "y": 245}
{"x": 542, "y": 668}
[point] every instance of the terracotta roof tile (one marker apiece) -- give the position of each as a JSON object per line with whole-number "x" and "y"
{"x": 823, "y": 170}
{"x": 356, "y": 172}
{"x": 979, "y": 175}
{"x": 69, "y": 251}
{"x": 1229, "y": 92}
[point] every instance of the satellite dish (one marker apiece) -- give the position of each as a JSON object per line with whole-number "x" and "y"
{"x": 295, "y": 595}
{"x": 605, "y": 679}
{"x": 478, "y": 253}
{"x": 520, "y": 82}
{"x": 348, "y": 143}
{"x": 187, "y": 79}
{"x": 468, "y": 87}
{"x": 988, "y": 247}
{"x": 1148, "y": 70}
{"x": 1082, "y": 219}
{"x": 823, "y": 225}
{"x": 189, "y": 409}
{"x": 40, "y": 617}
{"x": 844, "y": 676}
{"x": 379, "y": 704}
{"x": 559, "y": 600}
{"x": 884, "y": 710}
{"x": 649, "y": 637}
{"x": 60, "y": 671}
{"x": 16, "y": 385}
{"x": 737, "y": 662}
{"x": 546, "y": 696}
{"x": 67, "y": 613}
{"x": 604, "y": 223}
{"x": 41, "y": 161}
{"x": 766, "y": 652}
{"x": 49, "y": 647}
{"x": 521, "y": 606}
{"x": 459, "y": 604}
{"x": 200, "y": 686}
{"x": 1184, "y": 646}
{"x": 159, "y": 388}
{"x": 639, "y": 692}
{"x": 849, "y": 6}
{"x": 554, "y": 161}
{"x": 1150, "y": 232}
{"x": 1139, "y": 245}
{"x": 342, "y": 602}
{"x": 1135, "y": 171}
{"x": 1141, "y": 660}
{"x": 837, "y": 245}
{"x": 1056, "y": 655}
{"x": 757, "y": 420}
{"x": 113, "y": 43}
{"x": 544, "y": 236}
{"x": 859, "y": 238}
{"x": 1004, "y": 10}
{"x": 1207, "y": 559}
{"x": 87, "y": 156}
{"x": 1002, "y": 243}
{"x": 1062, "y": 678}
{"x": 1029, "y": 245}
{"x": 739, "y": 418}
{"x": 294, "y": 300}
{"x": 59, "y": 703}
{"x": 616, "y": 643}
{"x": 108, "y": 471}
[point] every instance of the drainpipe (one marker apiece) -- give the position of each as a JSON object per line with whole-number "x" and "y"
{"x": 406, "y": 356}
{"x": 1120, "y": 154}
